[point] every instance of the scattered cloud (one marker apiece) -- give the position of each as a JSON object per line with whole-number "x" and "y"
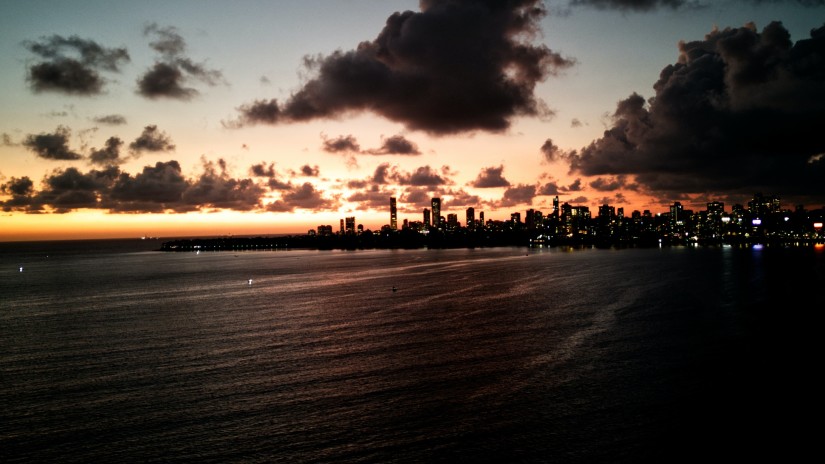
{"x": 173, "y": 72}
{"x": 455, "y": 66}
{"x": 490, "y": 177}
{"x": 340, "y": 144}
{"x": 7, "y": 141}
{"x": 740, "y": 111}
{"x": 151, "y": 140}
{"x": 310, "y": 171}
{"x": 52, "y": 146}
{"x": 72, "y": 65}
{"x": 395, "y": 145}
{"x": 109, "y": 154}
{"x": 110, "y": 120}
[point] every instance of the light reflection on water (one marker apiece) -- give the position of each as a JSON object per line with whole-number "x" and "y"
{"x": 491, "y": 354}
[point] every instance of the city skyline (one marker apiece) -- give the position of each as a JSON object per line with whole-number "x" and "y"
{"x": 191, "y": 118}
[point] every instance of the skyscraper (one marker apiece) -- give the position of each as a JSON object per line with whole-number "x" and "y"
{"x": 393, "y": 214}
{"x": 471, "y": 217}
{"x": 426, "y": 217}
{"x": 436, "y": 204}
{"x": 350, "y": 225}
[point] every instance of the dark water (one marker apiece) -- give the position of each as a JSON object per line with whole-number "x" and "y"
{"x": 494, "y": 355}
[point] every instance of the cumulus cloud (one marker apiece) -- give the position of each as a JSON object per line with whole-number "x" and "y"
{"x": 740, "y": 111}
{"x": 455, "y": 66}
{"x": 173, "y": 72}
{"x": 551, "y": 152}
{"x": 490, "y": 177}
{"x": 109, "y": 154}
{"x": 110, "y": 120}
{"x": 549, "y": 188}
{"x": 53, "y": 146}
{"x": 72, "y": 65}
{"x": 151, "y": 140}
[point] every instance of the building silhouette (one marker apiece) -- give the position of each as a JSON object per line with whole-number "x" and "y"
{"x": 436, "y": 205}
{"x": 393, "y": 214}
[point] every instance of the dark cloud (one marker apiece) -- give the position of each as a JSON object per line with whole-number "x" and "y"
{"x": 575, "y": 122}
{"x": 395, "y": 145}
{"x": 18, "y": 186}
{"x": 490, "y": 178}
{"x": 422, "y": 176}
{"x": 53, "y": 146}
{"x": 521, "y": 194}
{"x": 341, "y": 144}
{"x": 110, "y": 119}
{"x": 71, "y": 65}
{"x": 578, "y": 200}
{"x": 371, "y": 198}
{"x": 71, "y": 189}
{"x": 550, "y": 151}
{"x": 382, "y": 174}
{"x": 215, "y": 188}
{"x": 455, "y": 66}
{"x": 310, "y": 171}
{"x": 304, "y": 197}
{"x": 273, "y": 182}
{"x": 172, "y": 74}
{"x": 20, "y": 190}
{"x": 740, "y": 111}
{"x": 549, "y": 188}
{"x": 152, "y": 140}
{"x": 109, "y": 154}
{"x": 155, "y": 189}
{"x": 609, "y": 184}
{"x": 576, "y": 186}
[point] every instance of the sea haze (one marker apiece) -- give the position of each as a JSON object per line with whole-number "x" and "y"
{"x": 109, "y": 353}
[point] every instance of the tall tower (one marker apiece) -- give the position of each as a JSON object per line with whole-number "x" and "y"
{"x": 393, "y": 214}
{"x": 426, "y": 217}
{"x": 471, "y": 218}
{"x": 436, "y": 204}
{"x": 556, "y": 207}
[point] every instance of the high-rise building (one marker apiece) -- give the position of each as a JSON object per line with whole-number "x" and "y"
{"x": 436, "y": 204}
{"x": 471, "y": 217}
{"x": 556, "y": 207}
{"x": 481, "y": 218}
{"x": 341, "y": 229}
{"x": 393, "y": 214}
{"x": 350, "y": 225}
{"x": 427, "y": 217}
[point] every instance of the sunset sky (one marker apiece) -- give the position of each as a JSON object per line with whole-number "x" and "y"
{"x": 179, "y": 118}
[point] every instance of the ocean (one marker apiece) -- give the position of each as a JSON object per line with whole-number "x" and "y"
{"x": 112, "y": 352}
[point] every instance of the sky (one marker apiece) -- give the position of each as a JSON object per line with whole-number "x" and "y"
{"x": 189, "y": 118}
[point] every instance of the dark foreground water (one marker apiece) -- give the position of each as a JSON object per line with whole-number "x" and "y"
{"x": 493, "y": 355}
